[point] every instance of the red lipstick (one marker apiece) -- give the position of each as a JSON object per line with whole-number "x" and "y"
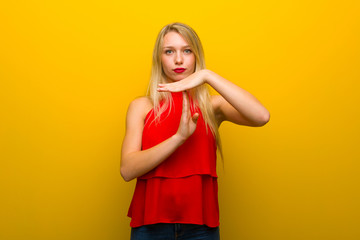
{"x": 179, "y": 70}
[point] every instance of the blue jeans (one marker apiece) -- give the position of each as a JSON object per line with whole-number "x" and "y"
{"x": 175, "y": 231}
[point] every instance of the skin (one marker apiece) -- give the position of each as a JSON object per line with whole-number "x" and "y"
{"x": 177, "y": 54}
{"x": 234, "y": 104}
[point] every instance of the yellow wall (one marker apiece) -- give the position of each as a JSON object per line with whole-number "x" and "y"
{"x": 68, "y": 70}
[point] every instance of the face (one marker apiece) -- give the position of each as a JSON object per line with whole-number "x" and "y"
{"x": 177, "y": 58}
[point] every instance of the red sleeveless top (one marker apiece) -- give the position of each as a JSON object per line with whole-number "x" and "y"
{"x": 183, "y": 188}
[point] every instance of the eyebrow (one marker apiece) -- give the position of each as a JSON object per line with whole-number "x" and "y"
{"x": 186, "y": 46}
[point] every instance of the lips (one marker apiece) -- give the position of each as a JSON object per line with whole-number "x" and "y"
{"x": 179, "y": 70}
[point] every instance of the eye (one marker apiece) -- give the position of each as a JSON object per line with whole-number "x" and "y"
{"x": 168, "y": 51}
{"x": 187, "y": 51}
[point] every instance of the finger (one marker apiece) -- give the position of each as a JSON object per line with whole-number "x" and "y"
{"x": 162, "y": 88}
{"x": 185, "y": 110}
{"x": 195, "y": 117}
{"x": 171, "y": 87}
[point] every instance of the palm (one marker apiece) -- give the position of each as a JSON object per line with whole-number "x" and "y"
{"x": 189, "y": 82}
{"x": 187, "y": 124}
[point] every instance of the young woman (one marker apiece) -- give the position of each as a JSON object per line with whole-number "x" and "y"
{"x": 172, "y": 137}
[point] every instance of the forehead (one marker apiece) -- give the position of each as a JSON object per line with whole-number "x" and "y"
{"x": 174, "y": 39}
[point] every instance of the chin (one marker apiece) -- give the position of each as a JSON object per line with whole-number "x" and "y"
{"x": 175, "y": 79}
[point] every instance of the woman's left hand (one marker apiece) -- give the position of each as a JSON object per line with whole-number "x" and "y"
{"x": 234, "y": 103}
{"x": 192, "y": 81}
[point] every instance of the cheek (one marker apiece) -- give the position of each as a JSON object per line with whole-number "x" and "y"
{"x": 166, "y": 69}
{"x": 165, "y": 63}
{"x": 193, "y": 62}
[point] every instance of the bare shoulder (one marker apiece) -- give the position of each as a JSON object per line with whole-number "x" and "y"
{"x": 142, "y": 101}
{"x": 140, "y": 106}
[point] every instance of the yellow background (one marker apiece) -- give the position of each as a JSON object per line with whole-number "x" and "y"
{"x": 68, "y": 70}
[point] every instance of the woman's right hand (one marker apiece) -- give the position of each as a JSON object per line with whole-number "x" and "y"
{"x": 136, "y": 162}
{"x": 187, "y": 124}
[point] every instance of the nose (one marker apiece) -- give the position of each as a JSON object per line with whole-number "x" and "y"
{"x": 179, "y": 58}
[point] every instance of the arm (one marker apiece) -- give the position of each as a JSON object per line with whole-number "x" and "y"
{"x": 136, "y": 162}
{"x": 234, "y": 103}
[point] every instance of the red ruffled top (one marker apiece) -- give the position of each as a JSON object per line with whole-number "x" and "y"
{"x": 183, "y": 188}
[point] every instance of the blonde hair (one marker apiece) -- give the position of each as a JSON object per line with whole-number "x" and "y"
{"x": 200, "y": 94}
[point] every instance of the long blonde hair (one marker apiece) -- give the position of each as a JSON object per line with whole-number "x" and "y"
{"x": 200, "y": 94}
